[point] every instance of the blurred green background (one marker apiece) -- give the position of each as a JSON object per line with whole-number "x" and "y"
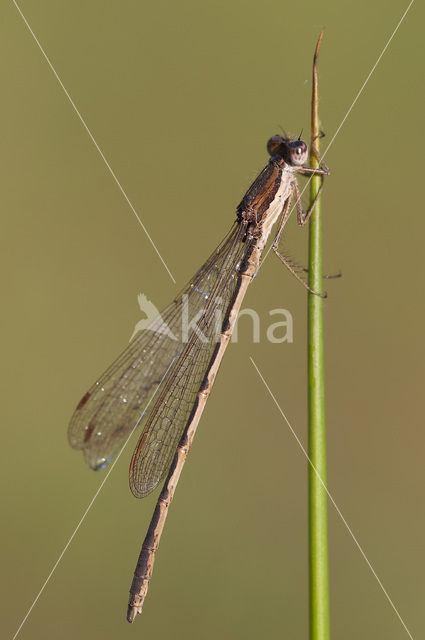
{"x": 182, "y": 97}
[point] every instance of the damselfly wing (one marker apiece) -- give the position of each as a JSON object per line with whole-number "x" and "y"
{"x": 186, "y": 332}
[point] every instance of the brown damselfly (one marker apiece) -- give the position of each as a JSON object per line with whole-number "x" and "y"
{"x": 173, "y": 363}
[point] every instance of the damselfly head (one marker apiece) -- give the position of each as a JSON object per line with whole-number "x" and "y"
{"x": 275, "y": 145}
{"x": 294, "y": 152}
{"x": 298, "y": 152}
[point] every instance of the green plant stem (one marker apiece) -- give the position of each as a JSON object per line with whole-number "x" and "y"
{"x": 318, "y": 543}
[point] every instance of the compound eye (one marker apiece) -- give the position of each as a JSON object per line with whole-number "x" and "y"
{"x": 273, "y": 144}
{"x": 298, "y": 152}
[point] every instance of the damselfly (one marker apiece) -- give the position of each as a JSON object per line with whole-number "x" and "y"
{"x": 174, "y": 362}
